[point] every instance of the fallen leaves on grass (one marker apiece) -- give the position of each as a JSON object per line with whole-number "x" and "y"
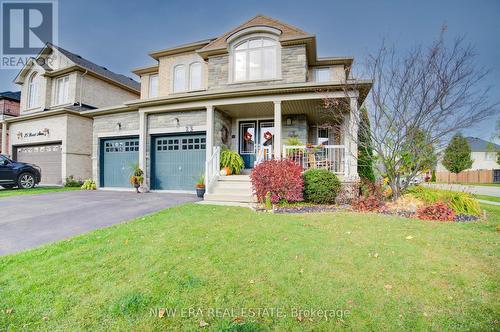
{"x": 409, "y": 237}
{"x": 388, "y": 286}
{"x": 203, "y": 323}
{"x": 161, "y": 313}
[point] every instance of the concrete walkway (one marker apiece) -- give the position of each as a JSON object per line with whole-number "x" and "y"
{"x": 488, "y": 202}
{"x": 479, "y": 190}
{"x": 29, "y": 221}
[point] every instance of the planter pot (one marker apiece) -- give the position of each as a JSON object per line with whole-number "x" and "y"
{"x": 137, "y": 186}
{"x": 200, "y": 192}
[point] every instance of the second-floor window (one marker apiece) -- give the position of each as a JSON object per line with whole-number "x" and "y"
{"x": 321, "y": 75}
{"x": 188, "y": 77}
{"x": 153, "y": 86}
{"x": 62, "y": 90}
{"x": 33, "y": 87}
{"x": 255, "y": 59}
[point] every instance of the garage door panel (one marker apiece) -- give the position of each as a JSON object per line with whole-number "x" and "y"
{"x": 178, "y": 161}
{"x": 47, "y": 157}
{"x": 118, "y": 159}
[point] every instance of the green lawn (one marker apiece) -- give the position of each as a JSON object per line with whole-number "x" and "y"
{"x": 488, "y": 198}
{"x": 385, "y": 273}
{"x": 33, "y": 191}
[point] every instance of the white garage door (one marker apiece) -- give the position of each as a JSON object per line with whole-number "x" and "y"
{"x": 48, "y": 157}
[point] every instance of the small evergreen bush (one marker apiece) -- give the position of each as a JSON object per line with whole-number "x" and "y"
{"x": 320, "y": 186}
{"x": 71, "y": 182}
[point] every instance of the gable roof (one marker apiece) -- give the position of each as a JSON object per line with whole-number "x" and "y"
{"x": 480, "y": 145}
{"x": 103, "y": 71}
{"x": 15, "y": 96}
{"x": 288, "y": 32}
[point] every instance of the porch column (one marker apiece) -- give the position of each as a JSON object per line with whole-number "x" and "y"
{"x": 352, "y": 135}
{"x": 210, "y": 131}
{"x": 143, "y": 134}
{"x": 277, "y": 129}
{"x": 4, "y": 137}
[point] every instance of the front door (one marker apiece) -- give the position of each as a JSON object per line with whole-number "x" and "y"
{"x": 252, "y": 135}
{"x": 248, "y": 142}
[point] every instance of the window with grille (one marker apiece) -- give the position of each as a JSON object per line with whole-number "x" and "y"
{"x": 121, "y": 146}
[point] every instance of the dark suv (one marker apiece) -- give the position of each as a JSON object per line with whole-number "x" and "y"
{"x": 16, "y": 174}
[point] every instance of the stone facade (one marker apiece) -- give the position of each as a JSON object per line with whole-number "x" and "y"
{"x": 299, "y": 128}
{"x": 107, "y": 126}
{"x": 222, "y": 129}
{"x": 293, "y": 69}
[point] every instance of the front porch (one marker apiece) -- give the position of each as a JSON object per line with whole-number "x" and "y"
{"x": 294, "y": 129}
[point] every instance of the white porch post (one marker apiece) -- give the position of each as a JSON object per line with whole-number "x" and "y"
{"x": 210, "y": 131}
{"x": 4, "y": 137}
{"x": 352, "y": 134}
{"x": 277, "y": 129}
{"x": 143, "y": 134}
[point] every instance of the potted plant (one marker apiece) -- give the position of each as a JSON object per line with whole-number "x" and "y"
{"x": 137, "y": 177}
{"x": 231, "y": 162}
{"x": 200, "y": 186}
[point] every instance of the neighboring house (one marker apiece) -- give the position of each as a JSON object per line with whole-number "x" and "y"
{"x": 9, "y": 107}
{"x": 483, "y": 154}
{"x": 56, "y": 86}
{"x": 249, "y": 89}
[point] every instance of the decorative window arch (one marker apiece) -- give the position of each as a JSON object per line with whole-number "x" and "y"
{"x": 195, "y": 76}
{"x": 256, "y": 57}
{"x": 33, "y": 91}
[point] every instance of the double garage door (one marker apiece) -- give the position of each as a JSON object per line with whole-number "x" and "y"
{"x": 48, "y": 157}
{"x": 177, "y": 161}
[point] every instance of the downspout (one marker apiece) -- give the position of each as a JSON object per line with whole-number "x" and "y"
{"x": 81, "y": 86}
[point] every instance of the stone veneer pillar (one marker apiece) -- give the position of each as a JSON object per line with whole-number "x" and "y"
{"x": 210, "y": 131}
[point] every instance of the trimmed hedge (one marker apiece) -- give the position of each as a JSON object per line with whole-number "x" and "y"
{"x": 321, "y": 186}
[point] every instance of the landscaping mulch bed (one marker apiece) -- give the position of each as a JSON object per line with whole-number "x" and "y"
{"x": 312, "y": 208}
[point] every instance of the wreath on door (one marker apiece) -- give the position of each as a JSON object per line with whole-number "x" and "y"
{"x": 247, "y": 136}
{"x": 268, "y": 135}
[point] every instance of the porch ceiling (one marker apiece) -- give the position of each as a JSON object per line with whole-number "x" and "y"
{"x": 310, "y": 107}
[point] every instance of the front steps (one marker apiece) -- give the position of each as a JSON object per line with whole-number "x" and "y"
{"x": 232, "y": 188}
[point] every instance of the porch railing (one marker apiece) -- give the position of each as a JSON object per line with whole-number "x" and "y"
{"x": 212, "y": 169}
{"x": 264, "y": 153}
{"x": 331, "y": 157}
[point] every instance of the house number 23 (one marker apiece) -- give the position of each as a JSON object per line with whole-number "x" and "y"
{"x": 189, "y": 129}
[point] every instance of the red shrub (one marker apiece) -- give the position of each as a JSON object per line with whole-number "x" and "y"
{"x": 281, "y": 178}
{"x": 437, "y": 211}
{"x": 368, "y": 203}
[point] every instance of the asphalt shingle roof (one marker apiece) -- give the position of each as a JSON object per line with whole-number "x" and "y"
{"x": 125, "y": 80}
{"x": 480, "y": 145}
{"x": 11, "y": 95}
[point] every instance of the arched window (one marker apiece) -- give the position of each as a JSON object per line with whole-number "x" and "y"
{"x": 255, "y": 59}
{"x": 180, "y": 78}
{"x": 195, "y": 76}
{"x": 33, "y": 98}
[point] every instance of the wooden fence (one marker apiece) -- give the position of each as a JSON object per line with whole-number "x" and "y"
{"x": 478, "y": 176}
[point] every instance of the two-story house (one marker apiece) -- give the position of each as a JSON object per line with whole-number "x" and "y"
{"x": 9, "y": 107}
{"x": 51, "y": 132}
{"x": 250, "y": 89}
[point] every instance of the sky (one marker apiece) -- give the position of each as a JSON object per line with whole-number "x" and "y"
{"x": 119, "y": 34}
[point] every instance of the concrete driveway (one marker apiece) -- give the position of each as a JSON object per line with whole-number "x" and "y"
{"x": 29, "y": 221}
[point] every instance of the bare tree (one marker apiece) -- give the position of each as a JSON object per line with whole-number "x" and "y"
{"x": 417, "y": 101}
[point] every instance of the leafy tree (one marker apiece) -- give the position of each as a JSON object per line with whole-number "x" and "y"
{"x": 365, "y": 151}
{"x": 457, "y": 155}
